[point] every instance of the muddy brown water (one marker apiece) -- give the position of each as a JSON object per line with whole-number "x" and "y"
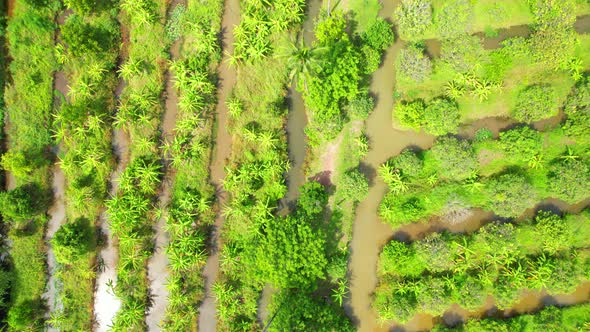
{"x": 369, "y": 233}
{"x": 223, "y": 139}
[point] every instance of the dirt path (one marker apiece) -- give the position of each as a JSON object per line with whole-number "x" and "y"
{"x": 158, "y": 263}
{"x": 227, "y": 78}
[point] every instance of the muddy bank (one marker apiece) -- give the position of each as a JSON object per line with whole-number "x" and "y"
{"x": 158, "y": 263}
{"x": 227, "y": 79}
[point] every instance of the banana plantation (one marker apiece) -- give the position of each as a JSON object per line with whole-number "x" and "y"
{"x": 295, "y": 165}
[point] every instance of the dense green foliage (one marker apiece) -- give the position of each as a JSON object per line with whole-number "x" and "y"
{"x": 189, "y": 155}
{"x": 500, "y": 259}
{"x": 413, "y": 18}
{"x": 87, "y": 56}
{"x": 27, "y": 103}
{"x": 414, "y": 64}
{"x": 506, "y": 176}
{"x": 535, "y": 103}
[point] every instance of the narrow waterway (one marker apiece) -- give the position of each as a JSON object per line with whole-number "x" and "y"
{"x": 106, "y": 304}
{"x": 223, "y": 139}
{"x": 369, "y": 233}
{"x": 57, "y": 213}
{"x": 158, "y": 264}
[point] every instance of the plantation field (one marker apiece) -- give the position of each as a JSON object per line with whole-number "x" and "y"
{"x": 295, "y": 165}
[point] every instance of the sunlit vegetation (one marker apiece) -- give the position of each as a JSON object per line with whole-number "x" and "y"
{"x": 28, "y": 104}
{"x": 506, "y": 175}
{"x": 332, "y": 86}
{"x": 87, "y": 55}
{"x": 574, "y": 318}
{"x": 189, "y": 214}
{"x": 132, "y": 211}
{"x": 501, "y": 259}
{"x": 525, "y": 77}
{"x": 254, "y": 180}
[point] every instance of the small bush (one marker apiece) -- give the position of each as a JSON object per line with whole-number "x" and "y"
{"x": 510, "y": 195}
{"x": 413, "y": 17}
{"x": 463, "y": 52}
{"x": 414, "y": 64}
{"x": 442, "y": 117}
{"x": 354, "y": 185}
{"x": 534, "y": 103}
{"x": 408, "y": 163}
{"x": 361, "y": 106}
{"x": 456, "y": 158}
{"x": 71, "y": 241}
{"x": 569, "y": 180}
{"x": 410, "y": 114}
{"x": 379, "y": 35}
{"x": 23, "y": 203}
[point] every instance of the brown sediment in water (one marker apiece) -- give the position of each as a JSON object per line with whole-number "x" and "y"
{"x": 158, "y": 264}
{"x": 223, "y": 140}
{"x": 369, "y": 233}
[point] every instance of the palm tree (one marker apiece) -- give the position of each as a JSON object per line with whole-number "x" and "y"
{"x": 302, "y": 61}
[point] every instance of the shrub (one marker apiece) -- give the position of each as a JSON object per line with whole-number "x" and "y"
{"x": 482, "y": 135}
{"x": 408, "y": 163}
{"x": 83, "y": 38}
{"x": 17, "y": 163}
{"x": 414, "y": 64}
{"x": 291, "y": 254}
{"x": 569, "y": 180}
{"x": 354, "y": 185}
{"x": 410, "y": 114}
{"x": 23, "y": 203}
{"x": 379, "y": 35}
{"x": 534, "y": 103}
{"x": 371, "y": 59}
{"x": 71, "y": 241}
{"x": 522, "y": 142}
{"x": 510, "y": 195}
{"x": 442, "y": 117}
{"x": 436, "y": 251}
{"x": 413, "y": 17}
{"x": 295, "y": 310}
{"x": 361, "y": 106}
{"x": 463, "y": 52}
{"x": 456, "y": 158}
{"x": 577, "y": 108}
{"x": 312, "y": 200}
{"x": 454, "y": 18}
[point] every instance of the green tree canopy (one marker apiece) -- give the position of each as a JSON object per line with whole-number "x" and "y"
{"x": 456, "y": 158}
